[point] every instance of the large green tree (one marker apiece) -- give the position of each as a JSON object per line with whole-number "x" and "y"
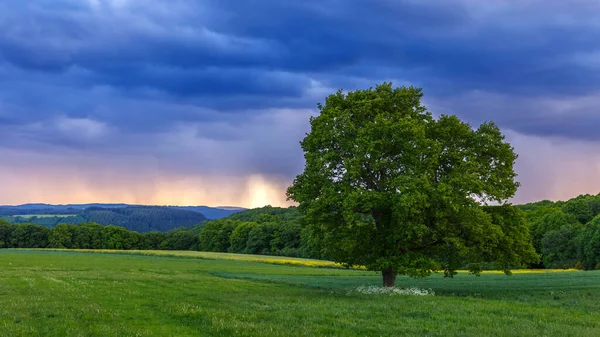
{"x": 389, "y": 187}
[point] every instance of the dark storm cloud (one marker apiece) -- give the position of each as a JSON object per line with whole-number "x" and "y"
{"x": 127, "y": 73}
{"x": 253, "y": 43}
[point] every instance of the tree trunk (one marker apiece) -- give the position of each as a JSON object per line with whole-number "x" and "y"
{"x": 389, "y": 277}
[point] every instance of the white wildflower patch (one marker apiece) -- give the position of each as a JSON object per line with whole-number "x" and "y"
{"x": 390, "y": 291}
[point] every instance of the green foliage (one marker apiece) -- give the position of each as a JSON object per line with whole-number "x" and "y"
{"x": 88, "y": 236}
{"x": 153, "y": 240}
{"x": 196, "y": 229}
{"x": 564, "y": 231}
{"x": 267, "y": 214}
{"x": 114, "y": 237}
{"x": 287, "y": 239}
{"x": 29, "y": 236}
{"x": 180, "y": 240}
{"x": 271, "y": 230}
{"x": 311, "y": 245}
{"x": 62, "y": 236}
{"x": 239, "y": 237}
{"x": 6, "y": 230}
{"x": 215, "y": 235}
{"x": 559, "y": 247}
{"x": 589, "y": 244}
{"x": 533, "y": 206}
{"x": 552, "y": 221}
{"x": 507, "y": 240}
{"x": 581, "y": 208}
{"x": 144, "y": 218}
{"x": 389, "y": 187}
{"x": 260, "y": 237}
{"x": 557, "y": 235}
{"x": 93, "y": 236}
{"x": 282, "y": 235}
{"x": 534, "y": 211}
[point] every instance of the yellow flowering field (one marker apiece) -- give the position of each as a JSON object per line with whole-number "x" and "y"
{"x": 211, "y": 256}
{"x": 283, "y": 260}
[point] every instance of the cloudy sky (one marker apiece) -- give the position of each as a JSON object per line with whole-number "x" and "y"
{"x": 204, "y": 102}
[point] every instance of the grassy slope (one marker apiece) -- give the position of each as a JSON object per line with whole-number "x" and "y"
{"x": 85, "y": 294}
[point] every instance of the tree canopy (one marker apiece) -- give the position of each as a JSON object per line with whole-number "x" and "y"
{"x": 389, "y": 187}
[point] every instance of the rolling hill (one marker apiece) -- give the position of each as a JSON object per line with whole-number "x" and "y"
{"x": 133, "y": 217}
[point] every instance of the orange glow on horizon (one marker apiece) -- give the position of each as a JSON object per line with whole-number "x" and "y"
{"x": 82, "y": 177}
{"x": 248, "y": 192}
{"x": 554, "y": 169}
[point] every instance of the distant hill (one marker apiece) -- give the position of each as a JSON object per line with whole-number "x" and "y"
{"x": 139, "y": 218}
{"x": 70, "y": 209}
{"x": 211, "y": 213}
{"x": 144, "y": 218}
{"x": 231, "y": 208}
{"x": 258, "y": 215}
{"x": 267, "y": 213}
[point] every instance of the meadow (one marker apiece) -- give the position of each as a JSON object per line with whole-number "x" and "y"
{"x": 67, "y": 293}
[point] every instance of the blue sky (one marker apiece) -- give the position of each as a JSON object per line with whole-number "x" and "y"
{"x": 204, "y": 102}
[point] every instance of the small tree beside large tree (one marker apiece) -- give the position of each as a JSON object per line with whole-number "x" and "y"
{"x": 389, "y": 187}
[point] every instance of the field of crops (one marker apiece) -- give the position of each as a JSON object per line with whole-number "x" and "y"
{"x": 63, "y": 293}
{"x": 207, "y": 256}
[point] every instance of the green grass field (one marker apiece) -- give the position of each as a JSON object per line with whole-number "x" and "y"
{"x": 58, "y": 293}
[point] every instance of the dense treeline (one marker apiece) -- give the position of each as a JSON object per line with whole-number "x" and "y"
{"x": 266, "y": 231}
{"x": 269, "y": 231}
{"x": 267, "y": 213}
{"x": 566, "y": 233}
{"x": 92, "y": 236}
